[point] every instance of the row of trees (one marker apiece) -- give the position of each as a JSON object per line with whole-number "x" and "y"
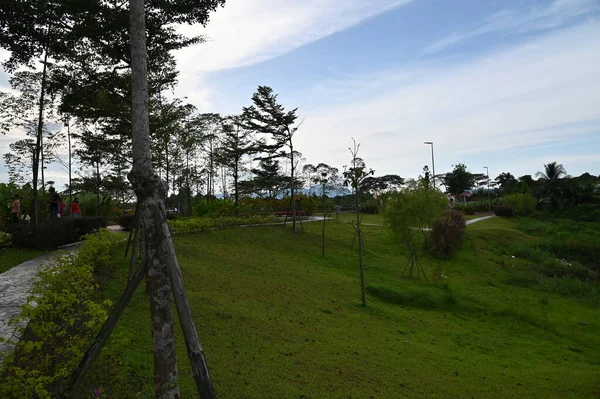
{"x": 552, "y": 185}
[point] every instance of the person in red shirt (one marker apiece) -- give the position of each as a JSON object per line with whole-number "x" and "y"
{"x": 15, "y": 209}
{"x": 75, "y": 210}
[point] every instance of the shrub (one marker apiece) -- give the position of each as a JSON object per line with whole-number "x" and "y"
{"x": 198, "y": 225}
{"x": 63, "y": 320}
{"x": 370, "y": 207}
{"x": 54, "y": 233}
{"x": 447, "y": 232}
{"x": 522, "y": 204}
{"x": 5, "y": 239}
{"x": 503, "y": 210}
{"x": 580, "y": 213}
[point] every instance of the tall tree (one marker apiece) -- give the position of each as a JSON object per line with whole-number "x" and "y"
{"x": 552, "y": 181}
{"x": 459, "y": 179}
{"x": 379, "y": 184}
{"x": 506, "y": 182}
{"x": 94, "y": 148}
{"x": 268, "y": 179}
{"x": 268, "y": 117}
{"x": 28, "y": 111}
{"x": 210, "y": 126}
{"x": 238, "y": 143}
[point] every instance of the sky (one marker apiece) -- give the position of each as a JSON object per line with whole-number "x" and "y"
{"x": 507, "y": 84}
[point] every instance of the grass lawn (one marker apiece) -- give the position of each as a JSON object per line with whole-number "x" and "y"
{"x": 366, "y": 218}
{"x": 278, "y": 320}
{"x": 11, "y": 257}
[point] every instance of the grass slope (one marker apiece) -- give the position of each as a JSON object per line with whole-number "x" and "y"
{"x": 278, "y": 320}
{"x": 11, "y": 257}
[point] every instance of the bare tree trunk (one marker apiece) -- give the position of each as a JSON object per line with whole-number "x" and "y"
{"x": 360, "y": 252}
{"x": 70, "y": 166}
{"x": 151, "y": 194}
{"x": 42, "y": 162}
{"x": 98, "y": 210}
{"x": 292, "y": 187}
{"x": 38, "y": 144}
{"x": 235, "y": 186}
{"x": 324, "y": 219}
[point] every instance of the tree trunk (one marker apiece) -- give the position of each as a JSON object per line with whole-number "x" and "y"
{"x": 151, "y": 194}
{"x": 360, "y": 250}
{"x": 236, "y": 194}
{"x": 292, "y": 187}
{"x": 324, "y": 219}
{"x": 98, "y": 210}
{"x": 70, "y": 168}
{"x": 42, "y": 161}
{"x": 38, "y": 144}
{"x": 167, "y": 167}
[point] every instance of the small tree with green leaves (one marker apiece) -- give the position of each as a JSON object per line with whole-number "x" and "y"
{"x": 326, "y": 176}
{"x": 409, "y": 214}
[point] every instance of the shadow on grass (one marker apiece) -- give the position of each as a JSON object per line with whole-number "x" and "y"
{"x": 442, "y": 298}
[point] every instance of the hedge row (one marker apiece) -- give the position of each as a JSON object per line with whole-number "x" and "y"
{"x": 195, "y": 225}
{"x": 63, "y": 318}
{"x": 53, "y": 233}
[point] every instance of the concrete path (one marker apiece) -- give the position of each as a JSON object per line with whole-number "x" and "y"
{"x": 468, "y": 221}
{"x": 479, "y": 219}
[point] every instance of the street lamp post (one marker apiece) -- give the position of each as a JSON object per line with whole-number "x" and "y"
{"x": 432, "y": 161}
{"x": 487, "y": 170}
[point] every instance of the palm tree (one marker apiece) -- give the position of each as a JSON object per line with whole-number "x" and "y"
{"x": 551, "y": 179}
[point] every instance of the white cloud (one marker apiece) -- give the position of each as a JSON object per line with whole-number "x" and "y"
{"x": 553, "y": 15}
{"x": 247, "y": 32}
{"x": 541, "y": 92}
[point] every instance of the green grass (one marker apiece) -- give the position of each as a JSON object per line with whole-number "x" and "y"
{"x": 278, "y": 320}
{"x": 366, "y": 218}
{"x": 11, "y": 257}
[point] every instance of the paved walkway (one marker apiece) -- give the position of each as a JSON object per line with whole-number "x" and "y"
{"x": 479, "y": 219}
{"x": 468, "y": 221}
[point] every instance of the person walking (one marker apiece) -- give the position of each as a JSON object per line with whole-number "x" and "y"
{"x": 54, "y": 203}
{"x": 75, "y": 210}
{"x": 61, "y": 208}
{"x": 15, "y": 209}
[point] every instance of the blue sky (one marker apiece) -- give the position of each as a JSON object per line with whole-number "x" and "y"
{"x": 506, "y": 84}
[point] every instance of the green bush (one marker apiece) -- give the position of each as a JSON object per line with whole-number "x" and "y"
{"x": 447, "y": 232}
{"x": 521, "y": 204}
{"x": 580, "y": 213}
{"x": 5, "y": 239}
{"x": 63, "y": 320}
{"x": 54, "y": 233}
{"x": 470, "y": 208}
{"x": 503, "y": 210}
{"x": 197, "y": 225}
{"x": 370, "y": 207}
